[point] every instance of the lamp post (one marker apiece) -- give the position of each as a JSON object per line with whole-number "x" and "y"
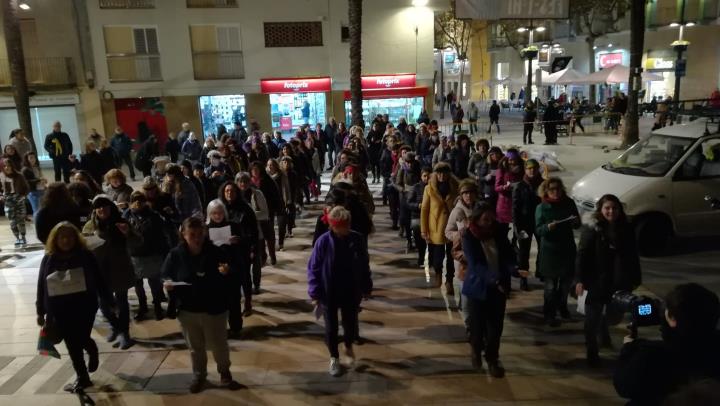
{"x": 680, "y": 46}
{"x": 530, "y": 53}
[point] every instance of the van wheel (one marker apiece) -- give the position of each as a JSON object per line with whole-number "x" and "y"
{"x": 652, "y": 234}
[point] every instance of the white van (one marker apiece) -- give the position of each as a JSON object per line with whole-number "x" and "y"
{"x": 662, "y": 182}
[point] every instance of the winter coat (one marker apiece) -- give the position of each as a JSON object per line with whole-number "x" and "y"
{"x": 121, "y": 144}
{"x": 323, "y": 268}
{"x": 66, "y": 307}
{"x": 442, "y": 155}
{"x": 58, "y": 145}
{"x": 435, "y": 211}
{"x": 48, "y": 217}
{"x": 479, "y": 168}
{"x": 504, "y": 192}
{"x": 283, "y": 186}
{"x": 239, "y": 212}
{"x": 153, "y": 241}
{"x": 92, "y": 162}
{"x": 460, "y": 159}
{"x": 407, "y": 175}
{"x": 479, "y": 277}
{"x": 424, "y": 149}
{"x": 172, "y": 148}
{"x": 414, "y": 199}
{"x": 494, "y": 112}
{"x": 237, "y": 254}
{"x": 22, "y": 147}
{"x": 605, "y": 266}
{"x": 271, "y": 193}
{"x": 192, "y": 149}
{"x": 108, "y": 160}
{"x": 557, "y": 247}
{"x": 188, "y": 202}
{"x": 120, "y": 194}
{"x": 472, "y": 113}
{"x": 145, "y": 154}
{"x": 113, "y": 256}
{"x": 459, "y": 215}
{"x": 524, "y": 202}
{"x": 206, "y": 292}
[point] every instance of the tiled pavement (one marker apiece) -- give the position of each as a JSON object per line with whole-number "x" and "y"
{"x": 415, "y": 351}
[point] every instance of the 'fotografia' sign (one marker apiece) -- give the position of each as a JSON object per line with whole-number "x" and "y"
{"x": 511, "y": 9}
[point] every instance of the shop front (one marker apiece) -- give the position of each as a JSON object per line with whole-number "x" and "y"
{"x": 225, "y": 110}
{"x": 661, "y": 62}
{"x": 44, "y": 111}
{"x": 394, "y": 95}
{"x": 296, "y": 102}
{"x": 607, "y": 59}
{"x": 131, "y": 112}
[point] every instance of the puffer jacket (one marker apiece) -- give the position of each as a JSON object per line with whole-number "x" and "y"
{"x": 505, "y": 180}
{"x": 435, "y": 211}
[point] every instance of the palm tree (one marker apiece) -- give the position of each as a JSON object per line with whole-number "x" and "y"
{"x": 16, "y": 58}
{"x": 355, "y": 28}
{"x": 637, "y": 41}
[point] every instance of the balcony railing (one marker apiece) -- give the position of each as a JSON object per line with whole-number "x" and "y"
{"x": 218, "y": 65}
{"x": 134, "y": 68}
{"x": 211, "y": 3}
{"x": 127, "y": 4}
{"x": 42, "y": 72}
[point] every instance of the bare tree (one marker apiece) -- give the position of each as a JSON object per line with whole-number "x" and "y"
{"x": 355, "y": 28}
{"x": 637, "y": 41}
{"x": 595, "y": 19}
{"x": 16, "y": 58}
{"x": 456, "y": 33}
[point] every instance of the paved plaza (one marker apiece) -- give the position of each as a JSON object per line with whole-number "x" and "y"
{"x": 414, "y": 352}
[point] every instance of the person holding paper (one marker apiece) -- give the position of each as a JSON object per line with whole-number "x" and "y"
{"x": 607, "y": 261}
{"x": 231, "y": 238}
{"x": 203, "y": 302}
{"x": 338, "y": 279}
{"x": 555, "y": 218}
{"x": 69, "y": 284}
{"x": 525, "y": 200}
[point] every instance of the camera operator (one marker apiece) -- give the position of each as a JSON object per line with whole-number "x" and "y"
{"x": 607, "y": 262}
{"x": 650, "y": 371}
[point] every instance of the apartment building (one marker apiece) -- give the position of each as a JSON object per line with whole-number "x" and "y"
{"x": 281, "y": 63}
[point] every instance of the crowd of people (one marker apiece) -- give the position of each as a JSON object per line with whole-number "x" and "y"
{"x": 210, "y": 214}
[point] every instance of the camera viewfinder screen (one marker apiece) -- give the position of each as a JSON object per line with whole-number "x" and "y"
{"x": 645, "y": 310}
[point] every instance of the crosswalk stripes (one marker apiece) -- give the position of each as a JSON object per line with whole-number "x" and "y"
{"x": 21, "y": 376}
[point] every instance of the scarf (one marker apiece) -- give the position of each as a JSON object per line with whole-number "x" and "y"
{"x": 548, "y": 199}
{"x": 534, "y": 182}
{"x": 325, "y": 216}
{"x": 482, "y": 233}
{"x": 256, "y": 180}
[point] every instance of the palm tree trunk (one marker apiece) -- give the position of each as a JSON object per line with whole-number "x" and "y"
{"x": 355, "y": 28}
{"x": 16, "y": 59}
{"x": 637, "y": 41}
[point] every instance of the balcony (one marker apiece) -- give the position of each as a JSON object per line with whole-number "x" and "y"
{"x": 124, "y": 4}
{"x": 211, "y": 3}
{"x": 43, "y": 73}
{"x": 218, "y": 65}
{"x": 134, "y": 68}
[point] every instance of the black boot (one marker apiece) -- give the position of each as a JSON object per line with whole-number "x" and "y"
{"x": 159, "y": 314}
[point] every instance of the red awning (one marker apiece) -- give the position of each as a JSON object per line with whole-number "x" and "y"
{"x": 391, "y": 93}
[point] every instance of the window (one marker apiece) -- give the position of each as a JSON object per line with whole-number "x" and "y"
{"x": 295, "y": 34}
{"x": 344, "y": 33}
{"x": 217, "y": 52}
{"x": 127, "y": 4}
{"x": 704, "y": 162}
{"x": 133, "y": 53}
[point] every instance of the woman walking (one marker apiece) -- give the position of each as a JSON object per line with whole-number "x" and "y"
{"x": 202, "y": 300}
{"x": 36, "y": 182}
{"x": 607, "y": 261}
{"x": 524, "y": 202}
{"x": 555, "y": 218}
{"x": 117, "y": 189}
{"x": 14, "y": 190}
{"x": 71, "y": 311}
{"x": 338, "y": 279}
{"x": 490, "y": 260}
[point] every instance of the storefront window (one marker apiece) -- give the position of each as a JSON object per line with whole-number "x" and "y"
{"x": 408, "y": 107}
{"x": 661, "y": 88}
{"x": 42, "y": 121}
{"x": 291, "y": 110}
{"x": 222, "y": 110}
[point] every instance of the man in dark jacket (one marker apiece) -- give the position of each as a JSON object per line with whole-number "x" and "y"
{"x": 494, "y": 116}
{"x": 649, "y": 371}
{"x": 551, "y": 119}
{"x": 59, "y": 147}
{"x": 414, "y": 199}
{"x": 122, "y": 145}
{"x": 330, "y": 130}
{"x": 239, "y": 134}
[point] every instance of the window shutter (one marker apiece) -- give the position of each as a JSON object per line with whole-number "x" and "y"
{"x": 228, "y": 38}
{"x": 140, "y": 44}
{"x": 152, "y": 41}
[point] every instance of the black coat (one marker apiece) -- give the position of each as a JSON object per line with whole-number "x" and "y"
{"x": 524, "y": 202}
{"x": 460, "y": 159}
{"x": 92, "y": 162}
{"x": 49, "y": 217}
{"x": 54, "y": 139}
{"x": 605, "y": 264}
{"x": 648, "y": 371}
{"x": 151, "y": 231}
{"x": 414, "y": 199}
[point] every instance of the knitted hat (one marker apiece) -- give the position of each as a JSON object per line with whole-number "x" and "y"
{"x": 531, "y": 163}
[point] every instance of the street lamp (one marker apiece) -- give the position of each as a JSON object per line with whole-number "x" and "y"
{"x": 680, "y": 46}
{"x": 530, "y": 53}
{"x": 24, "y": 6}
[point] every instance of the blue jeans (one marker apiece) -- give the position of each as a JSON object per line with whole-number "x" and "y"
{"x": 34, "y": 199}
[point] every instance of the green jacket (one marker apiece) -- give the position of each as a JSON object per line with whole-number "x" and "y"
{"x": 557, "y": 247}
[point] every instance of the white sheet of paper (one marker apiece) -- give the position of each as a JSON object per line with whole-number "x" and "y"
{"x": 178, "y": 283}
{"x": 66, "y": 282}
{"x": 93, "y": 241}
{"x": 581, "y": 302}
{"x": 571, "y": 218}
{"x": 220, "y": 235}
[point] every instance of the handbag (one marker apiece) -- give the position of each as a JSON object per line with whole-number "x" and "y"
{"x": 48, "y": 337}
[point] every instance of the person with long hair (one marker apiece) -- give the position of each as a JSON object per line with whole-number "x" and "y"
{"x": 202, "y": 301}
{"x": 262, "y": 181}
{"x": 56, "y": 205}
{"x": 14, "y": 190}
{"x": 255, "y": 198}
{"x": 20, "y": 142}
{"x": 286, "y": 166}
{"x": 607, "y": 262}
{"x": 338, "y": 280}
{"x": 84, "y": 176}
{"x": 490, "y": 260}
{"x": 524, "y": 202}
{"x": 91, "y": 161}
{"x": 34, "y": 177}
{"x": 11, "y": 157}
{"x": 82, "y": 196}
{"x": 183, "y": 192}
{"x": 285, "y": 196}
{"x": 509, "y": 173}
{"x": 71, "y": 311}
{"x": 555, "y": 218}
{"x": 115, "y": 264}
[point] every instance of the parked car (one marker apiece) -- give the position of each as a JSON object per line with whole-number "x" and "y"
{"x": 662, "y": 182}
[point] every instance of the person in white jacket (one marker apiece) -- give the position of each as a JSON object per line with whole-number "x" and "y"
{"x": 255, "y": 198}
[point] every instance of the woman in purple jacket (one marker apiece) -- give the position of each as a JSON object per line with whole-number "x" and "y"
{"x": 510, "y": 172}
{"x": 339, "y": 279}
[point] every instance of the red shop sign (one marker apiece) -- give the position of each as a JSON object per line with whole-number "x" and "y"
{"x": 611, "y": 59}
{"x": 388, "y": 81}
{"x": 303, "y": 85}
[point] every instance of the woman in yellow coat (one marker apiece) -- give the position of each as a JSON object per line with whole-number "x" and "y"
{"x": 438, "y": 201}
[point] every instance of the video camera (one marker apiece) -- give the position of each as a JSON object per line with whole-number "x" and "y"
{"x": 713, "y": 201}
{"x": 644, "y": 310}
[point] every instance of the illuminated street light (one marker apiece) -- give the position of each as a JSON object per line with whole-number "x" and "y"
{"x": 522, "y": 29}
{"x": 24, "y": 6}
{"x": 609, "y": 45}
{"x": 540, "y": 29}
{"x": 674, "y": 24}
{"x": 419, "y": 3}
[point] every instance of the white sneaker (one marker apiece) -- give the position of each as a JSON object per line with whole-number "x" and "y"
{"x": 350, "y": 354}
{"x": 335, "y": 368}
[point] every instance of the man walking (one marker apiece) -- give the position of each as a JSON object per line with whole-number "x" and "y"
{"x": 472, "y": 118}
{"x": 59, "y": 147}
{"x": 494, "y": 116}
{"x": 122, "y": 145}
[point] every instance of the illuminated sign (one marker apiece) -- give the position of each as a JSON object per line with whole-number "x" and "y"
{"x": 611, "y": 59}
{"x": 387, "y": 81}
{"x": 304, "y": 85}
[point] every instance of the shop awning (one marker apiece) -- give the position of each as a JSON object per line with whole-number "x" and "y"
{"x": 391, "y": 93}
{"x": 613, "y": 75}
{"x": 565, "y": 77}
